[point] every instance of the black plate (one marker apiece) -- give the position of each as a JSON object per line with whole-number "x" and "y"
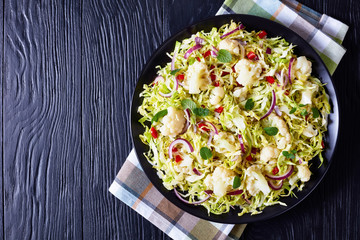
{"x": 273, "y": 29}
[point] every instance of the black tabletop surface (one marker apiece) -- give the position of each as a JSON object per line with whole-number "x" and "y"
{"x": 68, "y": 70}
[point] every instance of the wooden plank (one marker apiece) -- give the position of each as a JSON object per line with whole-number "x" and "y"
{"x": 1, "y": 117}
{"x": 42, "y": 120}
{"x": 118, "y": 37}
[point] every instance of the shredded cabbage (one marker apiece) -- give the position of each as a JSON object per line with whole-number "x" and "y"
{"x": 300, "y": 127}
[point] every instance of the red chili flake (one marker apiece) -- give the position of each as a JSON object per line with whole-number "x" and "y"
{"x": 212, "y": 67}
{"x": 287, "y": 92}
{"x": 174, "y": 149}
{"x": 224, "y": 73}
{"x": 197, "y": 58}
{"x": 233, "y": 68}
{"x": 216, "y": 84}
{"x": 207, "y": 53}
{"x": 213, "y": 77}
{"x": 180, "y": 77}
{"x": 219, "y": 109}
{"x": 307, "y": 116}
{"x": 275, "y": 170}
{"x": 249, "y": 158}
{"x": 270, "y": 79}
{"x": 203, "y": 106}
{"x": 178, "y": 158}
{"x": 262, "y": 34}
{"x": 153, "y": 132}
{"x": 251, "y": 55}
{"x": 254, "y": 150}
{"x": 203, "y": 126}
{"x": 322, "y": 144}
{"x": 239, "y": 85}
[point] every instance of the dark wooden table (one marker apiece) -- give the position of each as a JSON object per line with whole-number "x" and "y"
{"x": 68, "y": 71}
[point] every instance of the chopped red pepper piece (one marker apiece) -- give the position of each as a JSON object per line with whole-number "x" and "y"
{"x": 212, "y": 67}
{"x": 251, "y": 55}
{"x": 216, "y": 84}
{"x": 219, "y": 109}
{"x": 287, "y": 92}
{"x": 270, "y": 79}
{"x": 322, "y": 144}
{"x": 254, "y": 150}
{"x": 233, "y": 68}
{"x": 307, "y": 116}
{"x": 249, "y": 158}
{"x": 203, "y": 126}
{"x": 180, "y": 77}
{"x": 262, "y": 34}
{"x": 197, "y": 58}
{"x": 178, "y": 158}
{"x": 207, "y": 53}
{"x": 213, "y": 77}
{"x": 275, "y": 170}
{"x": 153, "y": 132}
{"x": 174, "y": 149}
{"x": 224, "y": 73}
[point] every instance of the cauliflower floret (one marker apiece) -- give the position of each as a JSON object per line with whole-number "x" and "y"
{"x": 225, "y": 143}
{"x": 173, "y": 122}
{"x": 240, "y": 93}
{"x": 302, "y": 68}
{"x": 303, "y": 173}
{"x": 216, "y": 95}
{"x": 269, "y": 153}
{"x": 197, "y": 78}
{"x": 306, "y": 95}
{"x": 255, "y": 181}
{"x": 309, "y": 131}
{"x": 233, "y": 46}
{"x": 220, "y": 181}
{"x": 283, "y": 130}
{"x": 248, "y": 71}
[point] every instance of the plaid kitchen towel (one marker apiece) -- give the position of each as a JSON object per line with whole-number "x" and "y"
{"x": 325, "y": 34}
{"x": 132, "y": 186}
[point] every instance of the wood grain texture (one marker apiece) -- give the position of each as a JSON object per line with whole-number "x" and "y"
{"x": 118, "y": 36}
{"x": 42, "y": 127}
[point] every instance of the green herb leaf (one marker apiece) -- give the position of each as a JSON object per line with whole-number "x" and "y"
{"x": 249, "y": 104}
{"x": 316, "y": 113}
{"x": 304, "y": 112}
{"x": 293, "y": 151}
{"x": 224, "y": 56}
{"x": 187, "y": 103}
{"x": 173, "y": 72}
{"x": 271, "y": 131}
{"x": 191, "y": 61}
{"x": 159, "y": 115}
{"x": 236, "y": 182}
{"x": 292, "y": 110}
{"x": 201, "y": 112}
{"x": 205, "y": 153}
{"x": 289, "y": 155}
{"x": 302, "y": 105}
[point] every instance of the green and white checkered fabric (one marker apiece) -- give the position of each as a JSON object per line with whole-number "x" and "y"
{"x": 325, "y": 34}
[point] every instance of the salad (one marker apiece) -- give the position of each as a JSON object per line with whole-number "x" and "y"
{"x": 234, "y": 119}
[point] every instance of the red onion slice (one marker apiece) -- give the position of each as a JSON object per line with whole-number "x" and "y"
{"x": 241, "y": 143}
{"x": 235, "y": 158}
{"x": 274, "y": 186}
{"x": 243, "y": 43}
{"x": 197, "y": 172}
{"x": 214, "y": 52}
{"x": 268, "y": 50}
{"x": 210, "y": 138}
{"x": 273, "y": 102}
{"x": 186, "y": 201}
{"x": 180, "y": 141}
{"x": 211, "y": 125}
{"x": 159, "y": 79}
{"x": 194, "y": 48}
{"x": 231, "y": 32}
{"x": 287, "y": 174}
{"x": 176, "y": 86}
{"x": 236, "y": 192}
{"x": 187, "y": 124}
{"x": 208, "y": 192}
{"x": 289, "y": 73}
{"x": 199, "y": 41}
{"x": 277, "y": 111}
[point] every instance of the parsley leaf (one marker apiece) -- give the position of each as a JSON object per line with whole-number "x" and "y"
{"x": 236, "y": 182}
{"x": 201, "y": 112}
{"x": 224, "y": 56}
{"x": 289, "y": 155}
{"x": 205, "y": 153}
{"x": 249, "y": 104}
{"x": 159, "y": 115}
{"x": 187, "y": 103}
{"x": 292, "y": 110}
{"x": 304, "y": 113}
{"x": 173, "y": 72}
{"x": 316, "y": 113}
{"x": 302, "y": 105}
{"x": 271, "y": 131}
